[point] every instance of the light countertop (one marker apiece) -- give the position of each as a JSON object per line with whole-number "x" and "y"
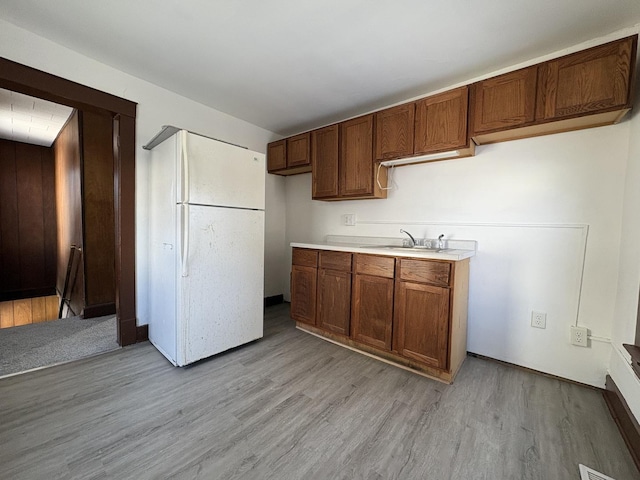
{"x": 457, "y": 249}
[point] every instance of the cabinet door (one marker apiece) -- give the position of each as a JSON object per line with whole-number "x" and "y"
{"x": 594, "y": 80}
{"x": 441, "y": 122}
{"x": 277, "y": 156}
{"x": 356, "y": 156}
{"x": 394, "y": 132}
{"x": 372, "y": 311}
{"x": 422, "y": 323}
{"x": 505, "y": 101}
{"x": 324, "y": 161}
{"x": 299, "y": 150}
{"x": 303, "y": 294}
{"x": 334, "y": 301}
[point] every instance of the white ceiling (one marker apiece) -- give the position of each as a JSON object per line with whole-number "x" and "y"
{"x": 30, "y": 120}
{"x": 292, "y": 65}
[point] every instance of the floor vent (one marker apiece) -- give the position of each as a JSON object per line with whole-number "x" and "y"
{"x": 587, "y": 473}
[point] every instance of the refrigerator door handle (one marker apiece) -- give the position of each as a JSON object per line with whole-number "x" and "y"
{"x": 184, "y": 162}
{"x": 184, "y": 231}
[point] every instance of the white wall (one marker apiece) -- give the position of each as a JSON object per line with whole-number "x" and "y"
{"x": 547, "y": 213}
{"x": 542, "y": 210}
{"x": 626, "y": 310}
{"x": 156, "y": 107}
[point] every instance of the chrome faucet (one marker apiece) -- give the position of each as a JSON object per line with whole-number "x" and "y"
{"x": 441, "y": 242}
{"x": 413, "y": 240}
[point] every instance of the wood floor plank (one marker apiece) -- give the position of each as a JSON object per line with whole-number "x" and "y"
{"x": 51, "y": 307}
{"x": 292, "y": 406}
{"x": 38, "y": 310}
{"x": 22, "y": 314}
{"x": 6, "y": 314}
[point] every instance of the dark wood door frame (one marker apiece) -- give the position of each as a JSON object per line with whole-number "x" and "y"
{"x": 22, "y": 79}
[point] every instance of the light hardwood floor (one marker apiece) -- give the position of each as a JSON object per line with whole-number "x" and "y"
{"x": 292, "y": 406}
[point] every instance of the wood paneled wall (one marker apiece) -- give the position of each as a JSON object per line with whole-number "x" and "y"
{"x": 85, "y": 211}
{"x": 27, "y": 221}
{"x": 68, "y": 188}
{"x": 99, "y": 229}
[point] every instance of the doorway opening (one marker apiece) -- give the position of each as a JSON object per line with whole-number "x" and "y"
{"x": 121, "y": 113}
{"x": 57, "y": 233}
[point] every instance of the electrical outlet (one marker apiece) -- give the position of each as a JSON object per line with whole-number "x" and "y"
{"x": 538, "y": 320}
{"x": 579, "y": 336}
{"x": 349, "y": 219}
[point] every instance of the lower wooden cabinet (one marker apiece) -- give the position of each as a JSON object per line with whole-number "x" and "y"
{"x": 334, "y": 292}
{"x": 303, "y": 294}
{"x": 411, "y": 312}
{"x": 422, "y": 323}
{"x": 372, "y": 312}
{"x": 304, "y": 275}
{"x": 334, "y": 301}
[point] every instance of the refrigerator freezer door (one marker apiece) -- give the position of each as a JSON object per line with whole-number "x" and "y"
{"x": 221, "y": 286}
{"x": 219, "y": 174}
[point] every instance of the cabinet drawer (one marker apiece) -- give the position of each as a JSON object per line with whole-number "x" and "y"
{"x": 335, "y": 260}
{"x": 373, "y": 265}
{"x": 305, "y": 257}
{"x": 424, "y": 271}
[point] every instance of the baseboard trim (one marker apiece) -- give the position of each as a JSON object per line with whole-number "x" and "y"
{"x": 622, "y": 415}
{"x": 273, "y": 300}
{"x": 142, "y": 333}
{"x": 537, "y": 372}
{"x": 92, "y": 311}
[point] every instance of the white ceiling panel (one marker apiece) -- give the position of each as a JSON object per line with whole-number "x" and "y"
{"x": 291, "y": 65}
{"x": 30, "y": 120}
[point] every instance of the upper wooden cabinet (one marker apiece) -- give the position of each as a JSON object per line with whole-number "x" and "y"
{"x": 299, "y": 150}
{"x": 585, "y": 89}
{"x": 358, "y": 177}
{"x": 290, "y": 156}
{"x": 581, "y": 90}
{"x": 395, "y": 131}
{"x": 277, "y": 156}
{"x": 342, "y": 162}
{"x": 594, "y": 80}
{"x": 504, "y": 102}
{"x": 324, "y": 162}
{"x": 441, "y": 123}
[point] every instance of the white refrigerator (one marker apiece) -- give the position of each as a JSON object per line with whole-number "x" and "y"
{"x": 206, "y": 246}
